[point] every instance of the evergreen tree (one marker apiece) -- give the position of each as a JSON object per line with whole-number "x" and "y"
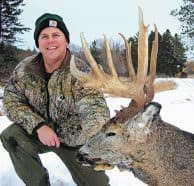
{"x": 95, "y": 51}
{"x": 167, "y": 58}
{"x": 179, "y": 52}
{"x": 171, "y": 54}
{"x": 8, "y": 60}
{"x": 134, "y": 49}
{"x": 186, "y": 16}
{"x": 9, "y": 20}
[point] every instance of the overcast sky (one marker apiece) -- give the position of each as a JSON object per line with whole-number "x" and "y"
{"x": 99, "y": 17}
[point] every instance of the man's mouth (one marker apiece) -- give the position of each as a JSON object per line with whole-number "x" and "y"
{"x": 52, "y": 48}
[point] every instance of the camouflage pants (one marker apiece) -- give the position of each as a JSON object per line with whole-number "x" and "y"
{"x": 24, "y": 149}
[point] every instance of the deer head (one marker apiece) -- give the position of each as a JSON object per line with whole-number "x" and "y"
{"x": 122, "y": 144}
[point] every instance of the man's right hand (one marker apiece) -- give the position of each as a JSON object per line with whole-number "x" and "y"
{"x": 47, "y": 136}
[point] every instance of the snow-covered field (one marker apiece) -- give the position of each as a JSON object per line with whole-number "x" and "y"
{"x": 177, "y": 109}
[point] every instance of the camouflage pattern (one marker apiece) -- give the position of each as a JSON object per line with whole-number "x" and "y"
{"x": 74, "y": 112}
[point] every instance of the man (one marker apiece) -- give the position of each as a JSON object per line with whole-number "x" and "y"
{"x": 50, "y": 109}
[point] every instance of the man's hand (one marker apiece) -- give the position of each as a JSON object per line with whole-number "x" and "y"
{"x": 48, "y": 137}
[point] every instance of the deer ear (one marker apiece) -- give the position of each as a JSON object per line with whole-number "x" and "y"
{"x": 148, "y": 115}
{"x": 140, "y": 125}
{"x": 151, "y": 111}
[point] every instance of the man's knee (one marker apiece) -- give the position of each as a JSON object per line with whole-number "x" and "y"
{"x": 8, "y": 137}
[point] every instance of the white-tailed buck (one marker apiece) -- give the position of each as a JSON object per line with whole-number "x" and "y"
{"x": 137, "y": 139}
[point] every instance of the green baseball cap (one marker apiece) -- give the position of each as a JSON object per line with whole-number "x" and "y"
{"x": 50, "y": 20}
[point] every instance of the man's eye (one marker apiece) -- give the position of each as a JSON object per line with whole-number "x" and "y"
{"x": 44, "y": 37}
{"x": 56, "y": 35}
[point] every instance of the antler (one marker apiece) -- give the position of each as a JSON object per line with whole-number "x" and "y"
{"x": 140, "y": 88}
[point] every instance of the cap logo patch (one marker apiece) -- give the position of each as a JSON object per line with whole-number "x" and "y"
{"x": 53, "y": 23}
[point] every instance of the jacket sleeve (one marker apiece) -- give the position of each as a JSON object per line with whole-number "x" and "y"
{"x": 89, "y": 115}
{"x": 91, "y": 108}
{"x": 16, "y": 105}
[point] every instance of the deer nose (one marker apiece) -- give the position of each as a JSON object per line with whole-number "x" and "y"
{"x": 85, "y": 160}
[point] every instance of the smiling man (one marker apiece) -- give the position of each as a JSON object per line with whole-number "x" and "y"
{"x": 50, "y": 109}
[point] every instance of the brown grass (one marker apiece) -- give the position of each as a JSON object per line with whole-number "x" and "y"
{"x": 164, "y": 86}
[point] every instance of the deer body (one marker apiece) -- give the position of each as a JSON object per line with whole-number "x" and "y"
{"x": 156, "y": 152}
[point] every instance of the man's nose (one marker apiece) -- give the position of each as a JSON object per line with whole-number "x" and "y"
{"x": 50, "y": 39}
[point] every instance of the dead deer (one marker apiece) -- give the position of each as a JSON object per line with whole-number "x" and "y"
{"x": 137, "y": 139}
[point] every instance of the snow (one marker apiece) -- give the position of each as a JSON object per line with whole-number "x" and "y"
{"x": 177, "y": 109}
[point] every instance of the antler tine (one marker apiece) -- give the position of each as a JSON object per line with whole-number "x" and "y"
{"x": 109, "y": 58}
{"x": 149, "y": 87}
{"x": 154, "y": 53}
{"x": 128, "y": 57}
{"x": 142, "y": 51}
{"x": 89, "y": 57}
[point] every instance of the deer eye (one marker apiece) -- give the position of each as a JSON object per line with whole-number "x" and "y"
{"x": 110, "y": 134}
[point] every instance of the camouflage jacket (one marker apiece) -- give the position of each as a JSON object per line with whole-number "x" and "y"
{"x": 74, "y": 112}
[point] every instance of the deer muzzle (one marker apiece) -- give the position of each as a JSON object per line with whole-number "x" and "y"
{"x": 85, "y": 159}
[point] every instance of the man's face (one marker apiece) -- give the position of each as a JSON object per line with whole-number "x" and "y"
{"x": 52, "y": 43}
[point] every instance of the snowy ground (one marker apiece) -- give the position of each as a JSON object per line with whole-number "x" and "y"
{"x": 177, "y": 109}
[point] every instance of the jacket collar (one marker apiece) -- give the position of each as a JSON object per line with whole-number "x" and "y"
{"x": 66, "y": 61}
